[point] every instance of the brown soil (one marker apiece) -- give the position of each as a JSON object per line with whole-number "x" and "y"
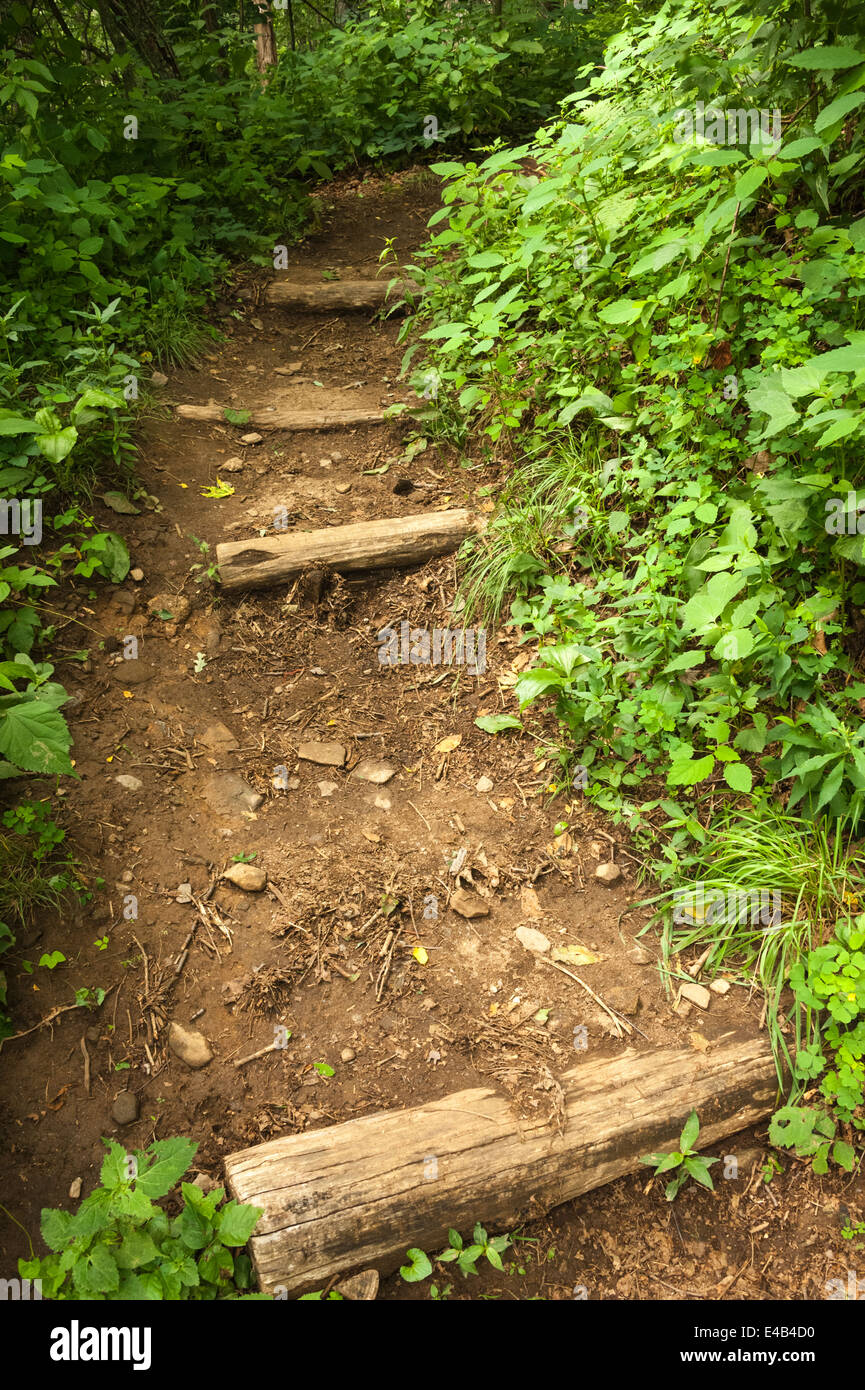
{"x": 319, "y": 951}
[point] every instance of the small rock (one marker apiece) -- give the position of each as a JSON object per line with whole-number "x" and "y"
{"x": 484, "y": 784}
{"x": 184, "y": 893}
{"x": 228, "y": 795}
{"x": 348, "y": 1054}
{"x": 343, "y": 487}
{"x": 532, "y": 939}
{"x": 468, "y": 904}
{"x": 212, "y": 639}
{"x": 219, "y": 738}
{"x": 75, "y": 1189}
{"x": 368, "y": 770}
{"x": 132, "y": 672}
{"x": 360, "y": 1287}
{"x": 159, "y": 379}
{"x": 720, "y": 986}
{"x": 136, "y": 574}
{"x": 325, "y": 754}
{"x": 252, "y": 438}
{"x": 204, "y": 1182}
{"x": 382, "y": 802}
{"x": 246, "y": 876}
{"x": 175, "y": 604}
{"x": 235, "y": 465}
{"x": 124, "y": 1111}
{"x": 608, "y": 874}
{"x": 132, "y": 784}
{"x": 623, "y": 998}
{"x": 289, "y": 369}
{"x": 189, "y": 1045}
{"x": 696, "y": 994}
{"x": 639, "y": 955}
{"x": 327, "y": 788}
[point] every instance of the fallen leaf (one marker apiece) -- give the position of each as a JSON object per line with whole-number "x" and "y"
{"x": 576, "y": 954}
{"x": 420, "y": 955}
{"x": 698, "y": 1042}
{"x": 447, "y": 745}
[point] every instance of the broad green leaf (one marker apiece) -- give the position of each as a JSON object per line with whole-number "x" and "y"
{"x": 35, "y": 737}
{"x": 738, "y": 777}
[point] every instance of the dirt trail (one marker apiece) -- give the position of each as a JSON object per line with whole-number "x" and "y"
{"x": 388, "y": 993}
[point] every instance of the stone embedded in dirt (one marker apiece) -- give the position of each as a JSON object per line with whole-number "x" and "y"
{"x": 368, "y": 770}
{"x": 608, "y": 874}
{"x": 343, "y": 487}
{"x": 289, "y": 369}
{"x": 136, "y": 574}
{"x": 219, "y": 738}
{"x": 246, "y": 876}
{"x": 468, "y": 904}
{"x": 252, "y": 438}
{"x": 361, "y": 1287}
{"x": 124, "y": 1111}
{"x": 212, "y": 639}
{"x": 189, "y": 1045}
{"x": 228, "y": 795}
{"x": 382, "y": 802}
{"x": 132, "y": 672}
{"x": 132, "y": 784}
{"x": 639, "y": 955}
{"x": 184, "y": 893}
{"x": 159, "y": 379}
{"x": 532, "y": 939}
{"x": 325, "y": 754}
{"x": 348, "y": 1054}
{"x": 484, "y": 784}
{"x": 235, "y": 465}
{"x": 327, "y": 788}
{"x": 75, "y": 1189}
{"x": 720, "y": 986}
{"x": 175, "y": 604}
{"x": 696, "y": 994}
{"x": 204, "y": 1182}
{"x": 623, "y": 998}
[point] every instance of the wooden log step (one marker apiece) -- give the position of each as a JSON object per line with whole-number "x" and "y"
{"x": 338, "y": 294}
{"x": 362, "y": 1193}
{"x": 364, "y": 545}
{"x": 282, "y": 417}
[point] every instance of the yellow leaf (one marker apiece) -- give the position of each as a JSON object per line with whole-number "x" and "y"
{"x": 448, "y": 744}
{"x": 127, "y": 694}
{"x": 420, "y": 955}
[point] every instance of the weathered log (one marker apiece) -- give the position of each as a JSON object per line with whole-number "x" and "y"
{"x": 361, "y": 1193}
{"x": 364, "y": 545}
{"x": 282, "y": 417}
{"x": 338, "y": 294}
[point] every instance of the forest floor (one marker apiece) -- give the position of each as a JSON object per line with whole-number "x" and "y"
{"x": 372, "y": 1026}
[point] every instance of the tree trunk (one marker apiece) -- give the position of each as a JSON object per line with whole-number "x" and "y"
{"x": 135, "y": 24}
{"x": 265, "y": 41}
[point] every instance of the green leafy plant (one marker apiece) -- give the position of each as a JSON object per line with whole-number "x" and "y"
{"x": 120, "y": 1245}
{"x": 481, "y": 1246}
{"x": 684, "y": 1162}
